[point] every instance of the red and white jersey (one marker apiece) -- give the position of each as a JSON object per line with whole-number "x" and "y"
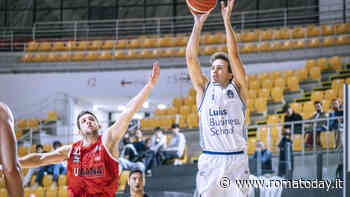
{"x": 92, "y": 171}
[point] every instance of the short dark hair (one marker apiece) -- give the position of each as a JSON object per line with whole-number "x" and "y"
{"x": 317, "y": 102}
{"x": 39, "y": 146}
{"x": 222, "y": 56}
{"x": 83, "y": 113}
{"x": 175, "y": 126}
{"x": 285, "y": 108}
{"x": 56, "y": 144}
{"x": 135, "y": 171}
{"x": 157, "y": 129}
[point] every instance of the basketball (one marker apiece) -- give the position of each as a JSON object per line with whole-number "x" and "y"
{"x": 201, "y": 6}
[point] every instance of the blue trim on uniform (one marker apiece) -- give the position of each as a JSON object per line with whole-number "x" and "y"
{"x": 205, "y": 91}
{"x": 222, "y": 153}
{"x": 216, "y": 84}
{"x": 239, "y": 94}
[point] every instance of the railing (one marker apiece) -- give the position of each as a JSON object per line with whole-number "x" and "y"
{"x": 128, "y": 28}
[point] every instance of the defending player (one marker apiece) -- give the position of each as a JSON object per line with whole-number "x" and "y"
{"x": 92, "y": 169}
{"x": 221, "y": 107}
{"x": 8, "y": 153}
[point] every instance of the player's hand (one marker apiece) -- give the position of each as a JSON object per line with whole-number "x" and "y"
{"x": 226, "y": 11}
{"x": 199, "y": 18}
{"x": 153, "y": 78}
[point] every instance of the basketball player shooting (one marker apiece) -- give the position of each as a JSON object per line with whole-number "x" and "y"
{"x": 92, "y": 169}
{"x": 221, "y": 107}
{"x": 8, "y": 153}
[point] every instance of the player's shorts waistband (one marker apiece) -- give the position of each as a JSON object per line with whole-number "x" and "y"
{"x": 222, "y": 153}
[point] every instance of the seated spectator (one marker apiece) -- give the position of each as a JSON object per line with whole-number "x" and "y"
{"x": 54, "y": 169}
{"x": 318, "y": 125}
{"x": 129, "y": 157}
{"x": 158, "y": 143}
{"x": 26, "y": 181}
{"x": 139, "y": 143}
{"x": 286, "y": 162}
{"x": 263, "y": 156}
{"x": 176, "y": 146}
{"x": 336, "y": 124}
{"x": 292, "y": 116}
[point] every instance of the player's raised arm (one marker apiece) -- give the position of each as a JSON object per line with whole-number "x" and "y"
{"x": 8, "y": 151}
{"x": 113, "y": 135}
{"x": 192, "y": 50}
{"x": 35, "y": 160}
{"x": 238, "y": 71}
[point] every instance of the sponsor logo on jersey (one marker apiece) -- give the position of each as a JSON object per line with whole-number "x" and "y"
{"x": 89, "y": 172}
{"x": 230, "y": 94}
{"x": 217, "y": 112}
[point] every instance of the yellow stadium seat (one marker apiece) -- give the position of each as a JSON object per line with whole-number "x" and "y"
{"x": 221, "y": 48}
{"x": 134, "y": 44}
{"x": 62, "y": 180}
{"x": 108, "y": 44}
{"x": 251, "y": 104}
{"x": 91, "y": 56}
{"x": 266, "y": 35}
{"x": 286, "y": 45}
{"x": 264, "y": 46}
{"x": 328, "y": 29}
{"x": 315, "y": 73}
{"x": 52, "y": 57}
{"x": 62, "y": 191}
{"x": 32, "y": 46}
{"x": 119, "y": 54}
{"x": 342, "y": 28}
{"x": 313, "y": 43}
{"x": 166, "y": 42}
{"x": 302, "y": 74}
{"x": 105, "y": 55}
{"x": 337, "y": 83}
{"x": 273, "y": 118}
{"x": 309, "y": 64}
{"x": 308, "y": 107}
{"x": 79, "y": 56}
{"x": 252, "y": 93}
{"x": 83, "y": 45}
{"x": 327, "y": 105}
{"x": 341, "y": 40}
{"x": 72, "y": 45}
{"x": 27, "y": 57}
{"x": 328, "y": 139}
{"x": 209, "y": 50}
{"x": 276, "y": 34}
{"x": 182, "y": 159}
{"x": 330, "y": 94}
{"x": 131, "y": 54}
{"x": 293, "y": 83}
{"x": 47, "y": 180}
{"x": 51, "y": 192}
{"x": 254, "y": 84}
{"x": 277, "y": 94}
{"x": 252, "y": 77}
{"x": 251, "y": 145}
{"x": 189, "y": 100}
{"x": 185, "y": 110}
{"x": 39, "y": 57}
{"x": 267, "y": 83}
{"x": 264, "y": 76}
{"x": 146, "y": 53}
{"x": 317, "y": 96}
{"x": 347, "y": 81}
{"x": 279, "y": 83}
{"x": 183, "y": 122}
{"x": 249, "y": 48}
{"x": 289, "y": 73}
{"x": 298, "y": 44}
{"x": 297, "y": 142}
{"x": 180, "y": 52}
{"x": 313, "y": 30}
{"x": 275, "y": 75}
{"x": 328, "y": 41}
{"x": 298, "y": 32}
{"x": 45, "y": 46}
{"x": 297, "y": 107}
{"x": 181, "y": 41}
{"x": 64, "y": 57}
{"x": 276, "y": 46}
{"x": 322, "y": 63}
{"x": 121, "y": 44}
{"x": 264, "y": 93}
{"x": 95, "y": 45}
{"x": 335, "y": 62}
{"x": 51, "y": 116}
{"x": 33, "y": 122}
{"x": 192, "y": 92}
{"x": 261, "y": 105}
